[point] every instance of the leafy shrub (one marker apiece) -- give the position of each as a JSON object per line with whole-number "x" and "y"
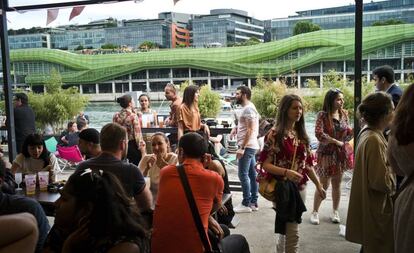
{"x": 56, "y": 106}
{"x": 266, "y": 96}
{"x": 209, "y": 102}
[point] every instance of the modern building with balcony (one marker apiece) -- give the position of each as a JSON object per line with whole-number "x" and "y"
{"x": 225, "y": 27}
{"x": 297, "y": 59}
{"x": 344, "y": 17}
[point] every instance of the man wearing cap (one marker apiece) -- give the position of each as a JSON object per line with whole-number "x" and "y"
{"x": 24, "y": 119}
{"x": 89, "y": 143}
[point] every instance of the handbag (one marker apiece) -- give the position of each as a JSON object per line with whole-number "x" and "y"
{"x": 267, "y": 182}
{"x": 196, "y": 214}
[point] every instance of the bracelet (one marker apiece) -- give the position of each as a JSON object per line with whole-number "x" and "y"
{"x": 285, "y": 173}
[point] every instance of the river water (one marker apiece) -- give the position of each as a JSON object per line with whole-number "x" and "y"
{"x": 101, "y": 113}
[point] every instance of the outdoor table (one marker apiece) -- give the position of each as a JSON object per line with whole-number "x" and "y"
{"x": 46, "y": 200}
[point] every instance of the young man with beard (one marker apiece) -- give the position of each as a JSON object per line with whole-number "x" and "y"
{"x": 247, "y": 130}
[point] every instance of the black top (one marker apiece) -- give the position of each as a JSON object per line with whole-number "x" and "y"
{"x": 24, "y": 122}
{"x": 11, "y": 204}
{"x": 128, "y": 174}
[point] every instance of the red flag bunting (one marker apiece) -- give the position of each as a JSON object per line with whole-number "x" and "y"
{"x": 52, "y": 14}
{"x": 76, "y": 11}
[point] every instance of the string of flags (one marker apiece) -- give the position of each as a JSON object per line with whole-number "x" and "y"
{"x": 52, "y": 14}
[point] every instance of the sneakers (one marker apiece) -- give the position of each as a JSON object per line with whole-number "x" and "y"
{"x": 314, "y": 218}
{"x": 254, "y": 207}
{"x": 242, "y": 209}
{"x": 335, "y": 217}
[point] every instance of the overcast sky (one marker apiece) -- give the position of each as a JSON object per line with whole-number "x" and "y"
{"x": 261, "y": 9}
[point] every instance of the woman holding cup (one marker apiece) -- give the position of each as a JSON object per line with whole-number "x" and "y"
{"x": 35, "y": 158}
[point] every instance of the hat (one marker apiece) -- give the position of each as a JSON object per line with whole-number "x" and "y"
{"x": 90, "y": 135}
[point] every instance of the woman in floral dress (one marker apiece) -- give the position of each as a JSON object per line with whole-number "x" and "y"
{"x": 129, "y": 119}
{"x": 288, "y": 158}
{"x": 334, "y": 154}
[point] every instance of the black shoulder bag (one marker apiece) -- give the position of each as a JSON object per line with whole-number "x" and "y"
{"x": 194, "y": 211}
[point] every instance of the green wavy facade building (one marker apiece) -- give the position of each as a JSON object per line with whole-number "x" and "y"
{"x": 297, "y": 58}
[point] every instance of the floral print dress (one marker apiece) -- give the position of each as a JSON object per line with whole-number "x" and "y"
{"x": 332, "y": 159}
{"x": 283, "y": 156}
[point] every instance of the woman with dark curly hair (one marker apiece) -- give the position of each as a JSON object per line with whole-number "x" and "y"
{"x": 35, "y": 157}
{"x": 94, "y": 214}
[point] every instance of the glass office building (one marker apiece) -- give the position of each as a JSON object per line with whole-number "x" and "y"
{"x": 70, "y": 40}
{"x": 39, "y": 40}
{"x": 344, "y": 17}
{"x": 135, "y": 32}
{"x": 225, "y": 27}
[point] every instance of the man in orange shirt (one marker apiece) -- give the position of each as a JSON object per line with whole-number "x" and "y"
{"x": 174, "y": 229}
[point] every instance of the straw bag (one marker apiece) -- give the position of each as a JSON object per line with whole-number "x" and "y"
{"x": 267, "y": 182}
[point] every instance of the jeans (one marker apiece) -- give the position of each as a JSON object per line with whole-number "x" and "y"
{"x": 247, "y": 176}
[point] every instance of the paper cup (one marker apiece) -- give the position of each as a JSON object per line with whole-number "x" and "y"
{"x": 30, "y": 180}
{"x": 161, "y": 121}
{"x": 43, "y": 180}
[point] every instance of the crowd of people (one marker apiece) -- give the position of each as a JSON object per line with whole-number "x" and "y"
{"x": 108, "y": 205}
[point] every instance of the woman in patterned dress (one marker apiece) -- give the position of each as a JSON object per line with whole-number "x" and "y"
{"x": 288, "y": 158}
{"x": 129, "y": 119}
{"x": 333, "y": 155}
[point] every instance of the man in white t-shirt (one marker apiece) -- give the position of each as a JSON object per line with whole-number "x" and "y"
{"x": 247, "y": 131}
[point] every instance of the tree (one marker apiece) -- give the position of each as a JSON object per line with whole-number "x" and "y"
{"x": 56, "y": 106}
{"x": 80, "y": 47}
{"x": 388, "y": 22}
{"x": 209, "y": 102}
{"x": 109, "y": 46}
{"x": 305, "y": 27}
{"x": 147, "y": 45}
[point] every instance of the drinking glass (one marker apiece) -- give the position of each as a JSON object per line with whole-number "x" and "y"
{"x": 18, "y": 178}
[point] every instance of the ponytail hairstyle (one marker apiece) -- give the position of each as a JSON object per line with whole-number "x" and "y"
{"x": 124, "y": 100}
{"x": 375, "y": 107}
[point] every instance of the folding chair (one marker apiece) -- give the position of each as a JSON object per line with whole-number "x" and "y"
{"x": 51, "y": 144}
{"x": 68, "y": 156}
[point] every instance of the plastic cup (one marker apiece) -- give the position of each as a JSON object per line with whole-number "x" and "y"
{"x": 144, "y": 121}
{"x": 161, "y": 121}
{"x": 43, "y": 180}
{"x": 30, "y": 180}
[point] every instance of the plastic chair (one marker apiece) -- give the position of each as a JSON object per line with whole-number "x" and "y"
{"x": 51, "y": 144}
{"x": 68, "y": 156}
